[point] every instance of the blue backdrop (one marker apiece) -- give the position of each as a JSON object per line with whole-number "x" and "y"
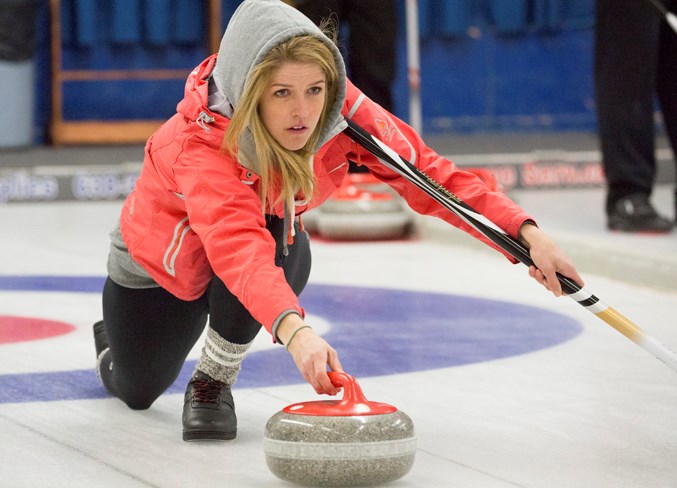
{"x": 486, "y": 64}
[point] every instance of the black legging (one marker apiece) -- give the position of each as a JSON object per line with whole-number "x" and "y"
{"x": 150, "y": 332}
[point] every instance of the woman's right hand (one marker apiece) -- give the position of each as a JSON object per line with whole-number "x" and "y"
{"x": 311, "y": 353}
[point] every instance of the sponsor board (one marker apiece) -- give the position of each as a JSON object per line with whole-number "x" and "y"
{"x": 45, "y": 184}
{"x": 542, "y": 170}
{"x": 555, "y": 170}
{"x": 548, "y": 174}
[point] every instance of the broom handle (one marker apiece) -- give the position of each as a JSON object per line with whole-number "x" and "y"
{"x": 670, "y": 18}
{"x": 435, "y": 190}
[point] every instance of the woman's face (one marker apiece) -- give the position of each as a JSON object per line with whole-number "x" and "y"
{"x": 292, "y": 103}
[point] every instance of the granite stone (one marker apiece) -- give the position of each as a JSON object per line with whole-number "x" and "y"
{"x": 328, "y": 451}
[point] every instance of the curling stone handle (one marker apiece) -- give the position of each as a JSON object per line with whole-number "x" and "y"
{"x": 353, "y": 402}
{"x": 352, "y": 393}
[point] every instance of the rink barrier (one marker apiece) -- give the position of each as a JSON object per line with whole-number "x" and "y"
{"x": 538, "y": 170}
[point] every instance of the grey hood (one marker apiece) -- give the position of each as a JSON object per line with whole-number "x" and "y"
{"x": 254, "y": 29}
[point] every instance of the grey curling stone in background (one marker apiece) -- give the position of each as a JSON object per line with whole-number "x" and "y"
{"x": 362, "y": 208}
{"x": 352, "y": 442}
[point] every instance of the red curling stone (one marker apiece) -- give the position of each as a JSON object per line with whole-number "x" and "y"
{"x": 351, "y": 442}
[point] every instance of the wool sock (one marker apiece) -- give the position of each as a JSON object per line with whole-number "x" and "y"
{"x": 221, "y": 359}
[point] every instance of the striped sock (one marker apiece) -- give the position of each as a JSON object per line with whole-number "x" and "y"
{"x": 220, "y": 358}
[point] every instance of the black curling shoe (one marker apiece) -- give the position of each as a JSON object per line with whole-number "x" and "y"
{"x": 100, "y": 345}
{"x": 635, "y": 214}
{"x": 208, "y": 410}
{"x": 100, "y": 339}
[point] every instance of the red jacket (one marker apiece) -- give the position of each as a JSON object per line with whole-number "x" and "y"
{"x": 195, "y": 212}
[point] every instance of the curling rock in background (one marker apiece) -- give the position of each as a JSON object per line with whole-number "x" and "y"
{"x": 352, "y": 442}
{"x": 363, "y": 208}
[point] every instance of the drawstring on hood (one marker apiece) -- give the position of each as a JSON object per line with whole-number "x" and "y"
{"x": 255, "y": 28}
{"x": 288, "y": 229}
{"x": 203, "y": 119}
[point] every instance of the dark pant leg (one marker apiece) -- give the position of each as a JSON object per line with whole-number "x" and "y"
{"x": 626, "y": 53}
{"x": 371, "y": 56}
{"x": 319, "y": 10}
{"x": 372, "y": 44}
{"x": 228, "y": 317}
{"x": 666, "y": 83}
{"x": 150, "y": 333}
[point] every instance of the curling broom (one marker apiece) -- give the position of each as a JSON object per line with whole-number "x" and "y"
{"x": 435, "y": 190}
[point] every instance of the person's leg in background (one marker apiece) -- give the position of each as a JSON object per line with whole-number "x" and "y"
{"x": 666, "y": 83}
{"x": 318, "y": 10}
{"x": 373, "y": 48}
{"x": 626, "y": 58}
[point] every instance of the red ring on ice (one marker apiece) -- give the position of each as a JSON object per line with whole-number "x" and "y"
{"x": 23, "y": 329}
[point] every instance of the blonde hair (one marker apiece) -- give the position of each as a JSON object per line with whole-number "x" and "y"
{"x": 282, "y": 171}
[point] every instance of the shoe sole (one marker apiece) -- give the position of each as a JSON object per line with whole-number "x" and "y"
{"x": 623, "y": 227}
{"x": 99, "y": 359}
{"x": 202, "y": 435}
{"x": 633, "y": 230}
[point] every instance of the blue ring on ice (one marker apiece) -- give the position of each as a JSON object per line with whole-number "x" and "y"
{"x": 377, "y": 331}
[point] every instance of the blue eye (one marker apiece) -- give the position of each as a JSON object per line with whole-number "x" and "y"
{"x": 281, "y": 93}
{"x": 316, "y": 90}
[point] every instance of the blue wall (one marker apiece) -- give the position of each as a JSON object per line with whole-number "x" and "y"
{"x": 503, "y": 65}
{"x": 486, "y": 64}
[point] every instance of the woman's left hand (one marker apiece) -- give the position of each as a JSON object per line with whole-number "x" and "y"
{"x": 548, "y": 258}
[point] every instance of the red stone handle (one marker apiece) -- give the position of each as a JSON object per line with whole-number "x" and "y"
{"x": 353, "y": 403}
{"x": 352, "y": 393}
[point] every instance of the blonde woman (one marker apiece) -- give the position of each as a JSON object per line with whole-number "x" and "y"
{"x": 213, "y": 227}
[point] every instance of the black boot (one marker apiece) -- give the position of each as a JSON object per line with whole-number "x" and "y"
{"x": 100, "y": 340}
{"x": 208, "y": 410}
{"x": 634, "y": 213}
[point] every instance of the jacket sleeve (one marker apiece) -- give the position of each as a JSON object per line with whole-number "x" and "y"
{"x": 226, "y": 215}
{"x": 496, "y": 206}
